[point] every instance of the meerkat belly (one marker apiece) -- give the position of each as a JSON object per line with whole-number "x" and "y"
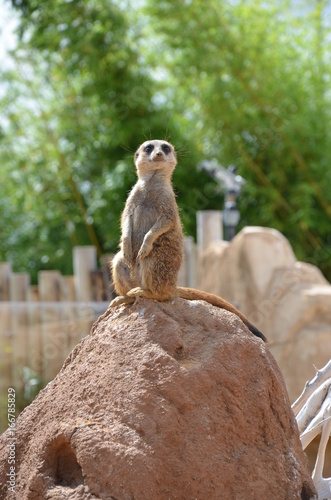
{"x": 166, "y": 257}
{"x": 144, "y": 219}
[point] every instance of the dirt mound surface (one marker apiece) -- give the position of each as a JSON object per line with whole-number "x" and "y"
{"x": 161, "y": 401}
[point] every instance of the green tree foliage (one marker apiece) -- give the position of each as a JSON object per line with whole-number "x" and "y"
{"x": 77, "y": 106}
{"x": 246, "y": 82}
{"x": 255, "y": 82}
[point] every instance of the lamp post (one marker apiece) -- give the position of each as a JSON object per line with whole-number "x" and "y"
{"x": 233, "y": 183}
{"x": 231, "y": 215}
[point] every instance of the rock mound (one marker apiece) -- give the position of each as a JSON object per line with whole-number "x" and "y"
{"x": 289, "y": 301}
{"x": 161, "y": 401}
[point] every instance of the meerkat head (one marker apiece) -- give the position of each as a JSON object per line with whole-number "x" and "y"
{"x": 155, "y": 156}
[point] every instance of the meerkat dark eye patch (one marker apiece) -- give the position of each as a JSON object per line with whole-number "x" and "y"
{"x": 149, "y": 148}
{"x": 166, "y": 149}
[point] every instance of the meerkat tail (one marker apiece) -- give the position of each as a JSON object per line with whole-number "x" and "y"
{"x": 214, "y": 300}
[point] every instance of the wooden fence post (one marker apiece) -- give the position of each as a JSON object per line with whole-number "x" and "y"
{"x": 5, "y": 272}
{"x": 188, "y": 272}
{"x": 67, "y": 289}
{"x": 49, "y": 286}
{"x": 84, "y": 261}
{"x": 53, "y": 335}
{"x": 18, "y": 292}
{"x": 191, "y": 262}
{"x": 182, "y": 275}
{"x": 19, "y": 284}
{"x": 209, "y": 228}
{"x": 68, "y": 298}
{"x": 35, "y": 331}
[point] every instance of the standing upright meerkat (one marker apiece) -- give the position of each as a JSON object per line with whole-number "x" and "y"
{"x": 151, "y": 248}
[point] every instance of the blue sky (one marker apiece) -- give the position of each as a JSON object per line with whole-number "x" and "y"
{"x": 8, "y": 22}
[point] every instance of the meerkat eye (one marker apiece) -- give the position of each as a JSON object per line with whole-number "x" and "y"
{"x": 166, "y": 149}
{"x": 149, "y": 148}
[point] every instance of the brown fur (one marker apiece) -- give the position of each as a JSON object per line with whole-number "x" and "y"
{"x": 151, "y": 246}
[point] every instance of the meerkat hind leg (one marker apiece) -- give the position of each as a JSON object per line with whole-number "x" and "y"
{"x": 122, "y": 299}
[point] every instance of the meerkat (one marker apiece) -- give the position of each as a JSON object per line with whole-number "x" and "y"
{"x": 151, "y": 246}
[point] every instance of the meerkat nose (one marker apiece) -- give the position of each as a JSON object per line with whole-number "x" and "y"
{"x": 159, "y": 153}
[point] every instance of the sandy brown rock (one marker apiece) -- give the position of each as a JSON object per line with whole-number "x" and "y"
{"x": 296, "y": 313}
{"x": 162, "y": 401}
{"x": 289, "y": 301}
{"x": 242, "y": 270}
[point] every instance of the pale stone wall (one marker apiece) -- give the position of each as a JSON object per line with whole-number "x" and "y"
{"x": 289, "y": 301}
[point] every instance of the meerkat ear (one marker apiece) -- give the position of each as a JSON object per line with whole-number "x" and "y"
{"x": 136, "y": 154}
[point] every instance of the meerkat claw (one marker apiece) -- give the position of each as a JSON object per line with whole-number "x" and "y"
{"x": 122, "y": 299}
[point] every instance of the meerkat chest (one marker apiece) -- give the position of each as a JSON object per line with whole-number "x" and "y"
{"x": 146, "y": 212}
{"x": 151, "y": 201}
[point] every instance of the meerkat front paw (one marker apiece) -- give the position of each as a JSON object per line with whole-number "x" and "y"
{"x": 122, "y": 299}
{"x": 145, "y": 250}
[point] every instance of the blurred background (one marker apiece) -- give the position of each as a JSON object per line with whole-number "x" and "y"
{"x": 84, "y": 82}
{"x": 244, "y": 84}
